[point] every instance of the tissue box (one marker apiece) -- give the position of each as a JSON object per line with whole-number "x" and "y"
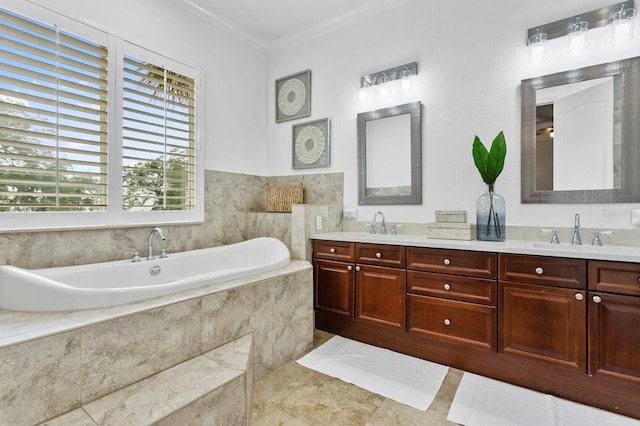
{"x": 451, "y": 231}
{"x": 451, "y": 216}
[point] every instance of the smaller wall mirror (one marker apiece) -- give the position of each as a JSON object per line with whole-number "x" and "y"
{"x": 390, "y": 155}
{"x": 580, "y": 133}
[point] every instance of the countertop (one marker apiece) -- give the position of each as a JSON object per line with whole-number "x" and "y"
{"x": 539, "y": 248}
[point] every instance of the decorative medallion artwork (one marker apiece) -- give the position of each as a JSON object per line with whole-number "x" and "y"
{"x": 310, "y": 144}
{"x": 293, "y": 96}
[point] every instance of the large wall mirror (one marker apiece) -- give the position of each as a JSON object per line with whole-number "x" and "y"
{"x": 580, "y": 135}
{"x": 390, "y": 155}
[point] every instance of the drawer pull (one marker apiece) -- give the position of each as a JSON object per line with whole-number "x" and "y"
{"x": 539, "y": 270}
{"x": 638, "y": 280}
{"x": 447, "y": 321}
{"x": 349, "y": 268}
{"x": 333, "y": 250}
{"x": 378, "y": 255}
{"x": 597, "y": 299}
{"x": 447, "y": 262}
{"x": 447, "y": 286}
{"x": 357, "y": 268}
{"x": 579, "y": 296}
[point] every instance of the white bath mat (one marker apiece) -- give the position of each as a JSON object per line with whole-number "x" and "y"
{"x": 403, "y": 378}
{"x": 485, "y": 402}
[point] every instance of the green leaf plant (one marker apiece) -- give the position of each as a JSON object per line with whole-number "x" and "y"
{"x": 490, "y": 164}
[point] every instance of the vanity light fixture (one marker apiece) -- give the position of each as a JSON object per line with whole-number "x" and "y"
{"x": 382, "y": 84}
{"x": 537, "y": 43}
{"x": 619, "y": 16}
{"x": 577, "y": 36}
{"x": 622, "y": 25}
{"x": 364, "y": 85}
{"x": 381, "y": 79}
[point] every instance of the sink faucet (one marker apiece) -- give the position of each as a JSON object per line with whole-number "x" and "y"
{"x": 150, "y": 247}
{"x": 576, "y": 241}
{"x": 383, "y": 227}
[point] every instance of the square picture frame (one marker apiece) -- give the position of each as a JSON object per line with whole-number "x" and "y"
{"x": 293, "y": 96}
{"x": 310, "y": 144}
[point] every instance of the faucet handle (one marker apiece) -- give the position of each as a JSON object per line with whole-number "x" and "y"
{"x": 163, "y": 253}
{"x": 596, "y": 237}
{"x": 394, "y": 228}
{"x": 372, "y": 227}
{"x": 554, "y": 235}
{"x": 136, "y": 256}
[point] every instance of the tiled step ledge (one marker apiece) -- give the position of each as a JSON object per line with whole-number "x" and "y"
{"x": 213, "y": 388}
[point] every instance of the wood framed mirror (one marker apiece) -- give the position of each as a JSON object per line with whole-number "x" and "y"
{"x": 390, "y": 155}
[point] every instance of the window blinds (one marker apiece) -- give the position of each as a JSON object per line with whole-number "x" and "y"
{"x": 53, "y": 119}
{"x": 158, "y": 138}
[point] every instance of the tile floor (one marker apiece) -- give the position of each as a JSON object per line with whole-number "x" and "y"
{"x": 297, "y": 396}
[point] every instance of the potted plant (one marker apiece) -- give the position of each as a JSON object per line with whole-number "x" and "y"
{"x": 490, "y": 207}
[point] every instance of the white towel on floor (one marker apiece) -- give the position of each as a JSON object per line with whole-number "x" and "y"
{"x": 408, "y": 380}
{"x": 480, "y": 401}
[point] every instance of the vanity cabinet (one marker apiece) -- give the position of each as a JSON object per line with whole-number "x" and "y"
{"x": 614, "y": 320}
{"x": 543, "y": 310}
{"x": 360, "y": 281}
{"x": 447, "y": 302}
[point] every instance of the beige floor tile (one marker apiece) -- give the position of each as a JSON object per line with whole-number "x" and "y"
{"x": 275, "y": 416}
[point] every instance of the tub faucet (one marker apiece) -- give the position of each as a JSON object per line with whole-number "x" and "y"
{"x": 383, "y": 227}
{"x": 576, "y": 241}
{"x": 150, "y": 247}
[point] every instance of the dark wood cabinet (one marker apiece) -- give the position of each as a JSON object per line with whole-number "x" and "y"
{"x": 334, "y": 287}
{"x": 380, "y": 296}
{"x": 543, "y": 323}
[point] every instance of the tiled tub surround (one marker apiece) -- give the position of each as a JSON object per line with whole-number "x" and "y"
{"x": 234, "y": 211}
{"x": 53, "y": 363}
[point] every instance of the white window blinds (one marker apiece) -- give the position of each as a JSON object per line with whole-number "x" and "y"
{"x": 158, "y": 143}
{"x": 53, "y": 119}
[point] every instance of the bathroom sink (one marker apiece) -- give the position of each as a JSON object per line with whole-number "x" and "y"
{"x": 614, "y": 250}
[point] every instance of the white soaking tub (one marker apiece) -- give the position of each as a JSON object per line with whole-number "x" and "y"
{"x": 101, "y": 285}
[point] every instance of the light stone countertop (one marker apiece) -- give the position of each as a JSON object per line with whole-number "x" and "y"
{"x": 538, "y": 248}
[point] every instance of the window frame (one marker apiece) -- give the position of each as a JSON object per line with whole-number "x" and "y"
{"x": 114, "y": 216}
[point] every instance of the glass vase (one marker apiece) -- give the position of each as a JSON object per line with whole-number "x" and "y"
{"x": 490, "y": 216}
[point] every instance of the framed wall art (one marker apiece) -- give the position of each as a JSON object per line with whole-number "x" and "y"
{"x": 310, "y": 144}
{"x": 293, "y": 96}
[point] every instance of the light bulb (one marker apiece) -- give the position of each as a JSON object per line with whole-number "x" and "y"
{"x": 382, "y": 85}
{"x": 405, "y": 76}
{"x": 362, "y": 94}
{"x": 536, "y": 45}
{"x": 622, "y": 25}
{"x": 577, "y": 34}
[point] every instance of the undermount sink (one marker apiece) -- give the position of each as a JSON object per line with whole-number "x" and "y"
{"x": 624, "y": 251}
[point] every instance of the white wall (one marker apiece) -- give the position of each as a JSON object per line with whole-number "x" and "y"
{"x": 234, "y": 70}
{"x": 471, "y": 58}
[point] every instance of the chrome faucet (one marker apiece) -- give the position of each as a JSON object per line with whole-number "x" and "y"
{"x": 383, "y": 227}
{"x": 150, "y": 247}
{"x": 576, "y": 241}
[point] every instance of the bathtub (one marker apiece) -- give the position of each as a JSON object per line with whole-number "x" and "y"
{"x": 101, "y": 285}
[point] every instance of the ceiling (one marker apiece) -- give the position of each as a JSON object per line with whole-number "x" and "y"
{"x": 270, "y": 23}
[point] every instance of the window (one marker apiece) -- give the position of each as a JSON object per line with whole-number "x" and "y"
{"x": 88, "y": 137}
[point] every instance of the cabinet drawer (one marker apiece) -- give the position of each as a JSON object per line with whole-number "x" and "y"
{"x": 334, "y": 250}
{"x": 615, "y": 277}
{"x": 553, "y": 271}
{"x": 458, "y": 262}
{"x": 452, "y": 321}
{"x": 474, "y": 290}
{"x": 380, "y": 254}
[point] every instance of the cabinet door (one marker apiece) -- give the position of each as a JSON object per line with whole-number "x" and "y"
{"x": 614, "y": 336}
{"x": 333, "y": 284}
{"x": 543, "y": 323}
{"x": 380, "y": 296}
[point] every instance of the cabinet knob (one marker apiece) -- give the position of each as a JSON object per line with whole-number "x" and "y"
{"x": 349, "y": 268}
{"x": 447, "y": 262}
{"x": 638, "y": 280}
{"x": 597, "y": 299}
{"x": 447, "y": 286}
{"x": 539, "y": 270}
{"x": 447, "y": 321}
{"x": 378, "y": 255}
{"x": 357, "y": 268}
{"x": 333, "y": 250}
{"x": 579, "y": 296}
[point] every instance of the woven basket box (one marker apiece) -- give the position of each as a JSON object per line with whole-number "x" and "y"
{"x": 280, "y": 198}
